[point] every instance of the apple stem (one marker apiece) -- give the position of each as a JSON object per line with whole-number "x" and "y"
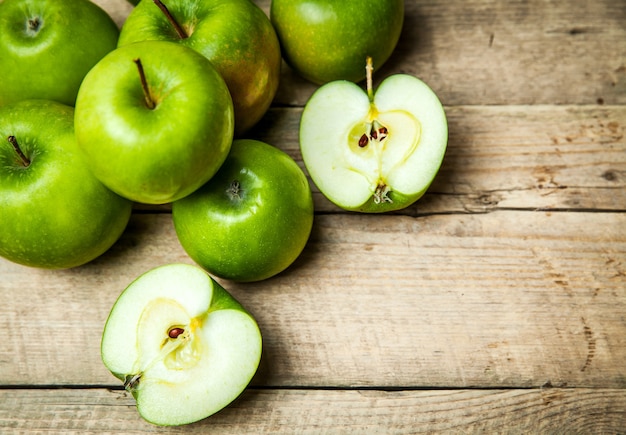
{"x": 179, "y": 30}
{"x": 369, "y": 68}
{"x": 144, "y": 85}
{"x": 16, "y": 146}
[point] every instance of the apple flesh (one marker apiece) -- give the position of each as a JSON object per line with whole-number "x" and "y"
{"x": 182, "y": 345}
{"x": 373, "y": 151}
{"x": 47, "y": 47}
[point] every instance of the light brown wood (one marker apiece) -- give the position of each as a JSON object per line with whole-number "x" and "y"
{"x": 511, "y": 53}
{"x": 547, "y": 410}
{"x": 509, "y": 157}
{"x": 500, "y": 299}
{"x": 495, "y": 304}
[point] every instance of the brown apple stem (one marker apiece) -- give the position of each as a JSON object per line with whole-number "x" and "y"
{"x": 179, "y": 30}
{"x": 369, "y": 68}
{"x": 16, "y": 146}
{"x": 144, "y": 85}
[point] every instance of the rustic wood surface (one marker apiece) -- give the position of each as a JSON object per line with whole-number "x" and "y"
{"x": 495, "y": 304}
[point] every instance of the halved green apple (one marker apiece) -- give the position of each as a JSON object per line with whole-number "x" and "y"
{"x": 373, "y": 152}
{"x": 182, "y": 345}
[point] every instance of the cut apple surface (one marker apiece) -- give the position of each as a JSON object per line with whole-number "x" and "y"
{"x": 182, "y": 345}
{"x": 373, "y": 152}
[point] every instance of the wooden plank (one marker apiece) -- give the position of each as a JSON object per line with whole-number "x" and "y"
{"x": 505, "y": 157}
{"x": 488, "y": 52}
{"x": 520, "y": 52}
{"x": 509, "y": 157}
{"x": 551, "y": 410}
{"x": 498, "y": 299}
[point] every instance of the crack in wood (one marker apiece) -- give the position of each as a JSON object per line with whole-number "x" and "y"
{"x": 591, "y": 345}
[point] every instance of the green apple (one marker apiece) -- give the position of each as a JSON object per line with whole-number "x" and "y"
{"x": 54, "y": 212}
{"x": 373, "y": 151}
{"x": 252, "y": 219}
{"x": 235, "y": 35}
{"x": 155, "y": 121}
{"x": 47, "y": 47}
{"x": 327, "y": 40}
{"x": 182, "y": 345}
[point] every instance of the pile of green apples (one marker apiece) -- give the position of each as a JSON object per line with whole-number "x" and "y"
{"x": 95, "y": 118}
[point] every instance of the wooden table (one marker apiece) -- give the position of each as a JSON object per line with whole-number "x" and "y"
{"x": 497, "y": 303}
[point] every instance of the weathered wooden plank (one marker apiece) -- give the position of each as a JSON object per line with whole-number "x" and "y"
{"x": 524, "y": 157}
{"x": 496, "y": 299}
{"x": 489, "y": 52}
{"x": 505, "y": 157}
{"x": 520, "y": 52}
{"x": 551, "y": 410}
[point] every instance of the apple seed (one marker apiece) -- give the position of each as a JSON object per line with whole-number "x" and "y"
{"x": 25, "y": 161}
{"x": 175, "y": 332}
{"x": 376, "y": 131}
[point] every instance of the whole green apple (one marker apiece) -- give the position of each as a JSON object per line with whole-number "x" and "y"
{"x": 326, "y": 40}
{"x": 54, "y": 212}
{"x": 252, "y": 219}
{"x": 373, "y": 151}
{"x": 154, "y": 120}
{"x": 47, "y": 47}
{"x": 182, "y": 345}
{"x": 235, "y": 35}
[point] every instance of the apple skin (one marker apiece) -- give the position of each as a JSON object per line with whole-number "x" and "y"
{"x": 190, "y": 382}
{"x": 235, "y": 35}
{"x": 259, "y": 232}
{"x": 51, "y": 61}
{"x": 55, "y": 214}
{"x": 154, "y": 156}
{"x": 334, "y": 120}
{"x": 328, "y": 40}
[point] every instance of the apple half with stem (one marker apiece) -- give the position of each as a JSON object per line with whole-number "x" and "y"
{"x": 182, "y": 345}
{"x": 373, "y": 151}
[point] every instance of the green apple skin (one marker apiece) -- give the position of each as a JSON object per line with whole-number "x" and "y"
{"x": 55, "y": 214}
{"x": 380, "y": 176}
{"x": 235, "y": 35}
{"x": 257, "y": 229}
{"x": 49, "y": 58}
{"x": 328, "y": 40}
{"x": 159, "y": 155}
{"x": 180, "y": 383}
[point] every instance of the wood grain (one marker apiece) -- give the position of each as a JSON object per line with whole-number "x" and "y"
{"x": 498, "y": 299}
{"x": 547, "y": 410}
{"x": 508, "y": 157}
{"x": 495, "y": 304}
{"x": 513, "y": 53}
{"x": 492, "y": 53}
